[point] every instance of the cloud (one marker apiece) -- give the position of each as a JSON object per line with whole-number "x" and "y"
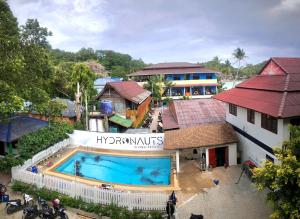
{"x": 286, "y": 6}
{"x": 170, "y": 30}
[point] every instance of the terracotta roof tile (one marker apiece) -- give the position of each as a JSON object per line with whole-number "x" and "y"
{"x": 200, "y": 136}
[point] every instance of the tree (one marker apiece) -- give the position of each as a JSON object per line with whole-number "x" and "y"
{"x": 38, "y": 68}
{"x": 83, "y": 75}
{"x": 157, "y": 85}
{"x": 61, "y": 82}
{"x": 239, "y": 54}
{"x": 282, "y": 179}
{"x": 11, "y": 61}
{"x": 228, "y": 67}
{"x": 51, "y": 108}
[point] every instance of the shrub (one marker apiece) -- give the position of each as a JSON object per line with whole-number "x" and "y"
{"x": 30, "y": 144}
{"x": 112, "y": 210}
{"x": 8, "y": 162}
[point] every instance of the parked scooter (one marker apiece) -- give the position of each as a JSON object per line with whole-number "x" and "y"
{"x": 13, "y": 206}
{"x": 31, "y": 212}
{"x": 3, "y": 196}
{"x": 59, "y": 210}
{"x": 45, "y": 210}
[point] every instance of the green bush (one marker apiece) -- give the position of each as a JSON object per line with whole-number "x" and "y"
{"x": 8, "y": 162}
{"x": 112, "y": 210}
{"x": 31, "y": 144}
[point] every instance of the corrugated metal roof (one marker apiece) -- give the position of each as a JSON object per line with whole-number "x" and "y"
{"x": 290, "y": 65}
{"x": 275, "y": 95}
{"x": 200, "y": 136}
{"x": 163, "y": 71}
{"x": 188, "y": 113}
{"x": 173, "y": 65}
{"x": 120, "y": 121}
{"x": 20, "y": 125}
{"x": 168, "y": 120}
{"x": 290, "y": 82}
{"x": 129, "y": 90}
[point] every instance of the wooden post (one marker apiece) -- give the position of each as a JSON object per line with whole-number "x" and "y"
{"x": 177, "y": 161}
{"x": 77, "y": 100}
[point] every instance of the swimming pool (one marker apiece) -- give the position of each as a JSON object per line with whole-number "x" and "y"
{"x": 143, "y": 171}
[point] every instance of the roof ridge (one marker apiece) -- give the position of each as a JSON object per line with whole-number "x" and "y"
{"x": 282, "y": 103}
{"x": 285, "y": 71}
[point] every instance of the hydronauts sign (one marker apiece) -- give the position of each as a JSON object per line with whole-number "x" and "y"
{"x": 119, "y": 141}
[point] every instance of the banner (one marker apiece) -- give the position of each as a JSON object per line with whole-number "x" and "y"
{"x": 119, "y": 141}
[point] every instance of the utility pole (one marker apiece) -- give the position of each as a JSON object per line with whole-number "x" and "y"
{"x": 77, "y": 100}
{"x": 86, "y": 112}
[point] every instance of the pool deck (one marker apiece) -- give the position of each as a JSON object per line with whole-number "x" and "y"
{"x": 173, "y": 185}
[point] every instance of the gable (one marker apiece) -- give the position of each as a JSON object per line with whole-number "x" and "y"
{"x": 272, "y": 68}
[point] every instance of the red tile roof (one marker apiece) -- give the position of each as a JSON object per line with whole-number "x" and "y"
{"x": 276, "y": 95}
{"x": 200, "y": 136}
{"x": 129, "y": 90}
{"x": 186, "y": 113}
{"x": 173, "y": 68}
{"x": 290, "y": 82}
{"x": 289, "y": 65}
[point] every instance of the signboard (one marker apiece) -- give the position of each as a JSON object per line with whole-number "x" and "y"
{"x": 119, "y": 141}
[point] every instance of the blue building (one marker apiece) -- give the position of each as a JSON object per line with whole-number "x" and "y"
{"x": 188, "y": 79}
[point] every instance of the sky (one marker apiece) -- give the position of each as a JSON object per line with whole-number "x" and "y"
{"x": 170, "y": 30}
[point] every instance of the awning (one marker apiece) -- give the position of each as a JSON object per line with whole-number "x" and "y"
{"x": 120, "y": 121}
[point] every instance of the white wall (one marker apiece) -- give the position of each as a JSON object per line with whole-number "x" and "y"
{"x": 269, "y": 138}
{"x": 250, "y": 150}
{"x": 232, "y": 156}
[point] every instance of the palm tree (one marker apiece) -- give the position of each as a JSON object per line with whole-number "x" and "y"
{"x": 239, "y": 54}
{"x": 157, "y": 85}
{"x": 228, "y": 66}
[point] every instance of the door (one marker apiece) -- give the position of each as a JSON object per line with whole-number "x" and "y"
{"x": 187, "y": 91}
{"x": 226, "y": 157}
{"x": 212, "y": 157}
{"x": 2, "y": 148}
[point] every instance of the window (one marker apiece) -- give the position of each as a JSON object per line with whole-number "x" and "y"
{"x": 269, "y": 123}
{"x": 187, "y": 77}
{"x": 209, "y": 76}
{"x": 251, "y": 116}
{"x": 176, "y": 77}
{"x": 232, "y": 109}
{"x": 196, "y": 77}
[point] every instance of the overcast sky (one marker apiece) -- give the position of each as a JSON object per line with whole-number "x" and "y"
{"x": 170, "y": 30}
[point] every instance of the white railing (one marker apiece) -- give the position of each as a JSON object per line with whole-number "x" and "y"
{"x": 91, "y": 194}
{"x": 130, "y": 200}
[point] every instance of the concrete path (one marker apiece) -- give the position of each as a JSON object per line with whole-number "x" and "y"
{"x": 153, "y": 126}
{"x": 227, "y": 200}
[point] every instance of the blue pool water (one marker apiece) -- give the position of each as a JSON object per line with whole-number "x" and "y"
{"x": 119, "y": 169}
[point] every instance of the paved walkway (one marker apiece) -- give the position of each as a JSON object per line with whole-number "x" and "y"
{"x": 227, "y": 200}
{"x": 153, "y": 126}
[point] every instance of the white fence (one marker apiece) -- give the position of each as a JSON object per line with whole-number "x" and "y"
{"x": 131, "y": 200}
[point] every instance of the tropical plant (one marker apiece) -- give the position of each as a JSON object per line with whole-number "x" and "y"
{"x": 157, "y": 85}
{"x": 282, "y": 179}
{"x": 30, "y": 144}
{"x": 111, "y": 210}
{"x": 239, "y": 54}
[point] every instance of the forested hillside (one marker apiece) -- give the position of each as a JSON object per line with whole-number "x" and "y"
{"x": 229, "y": 71}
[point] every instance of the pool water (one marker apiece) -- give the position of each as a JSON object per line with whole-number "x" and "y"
{"x": 144, "y": 171}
